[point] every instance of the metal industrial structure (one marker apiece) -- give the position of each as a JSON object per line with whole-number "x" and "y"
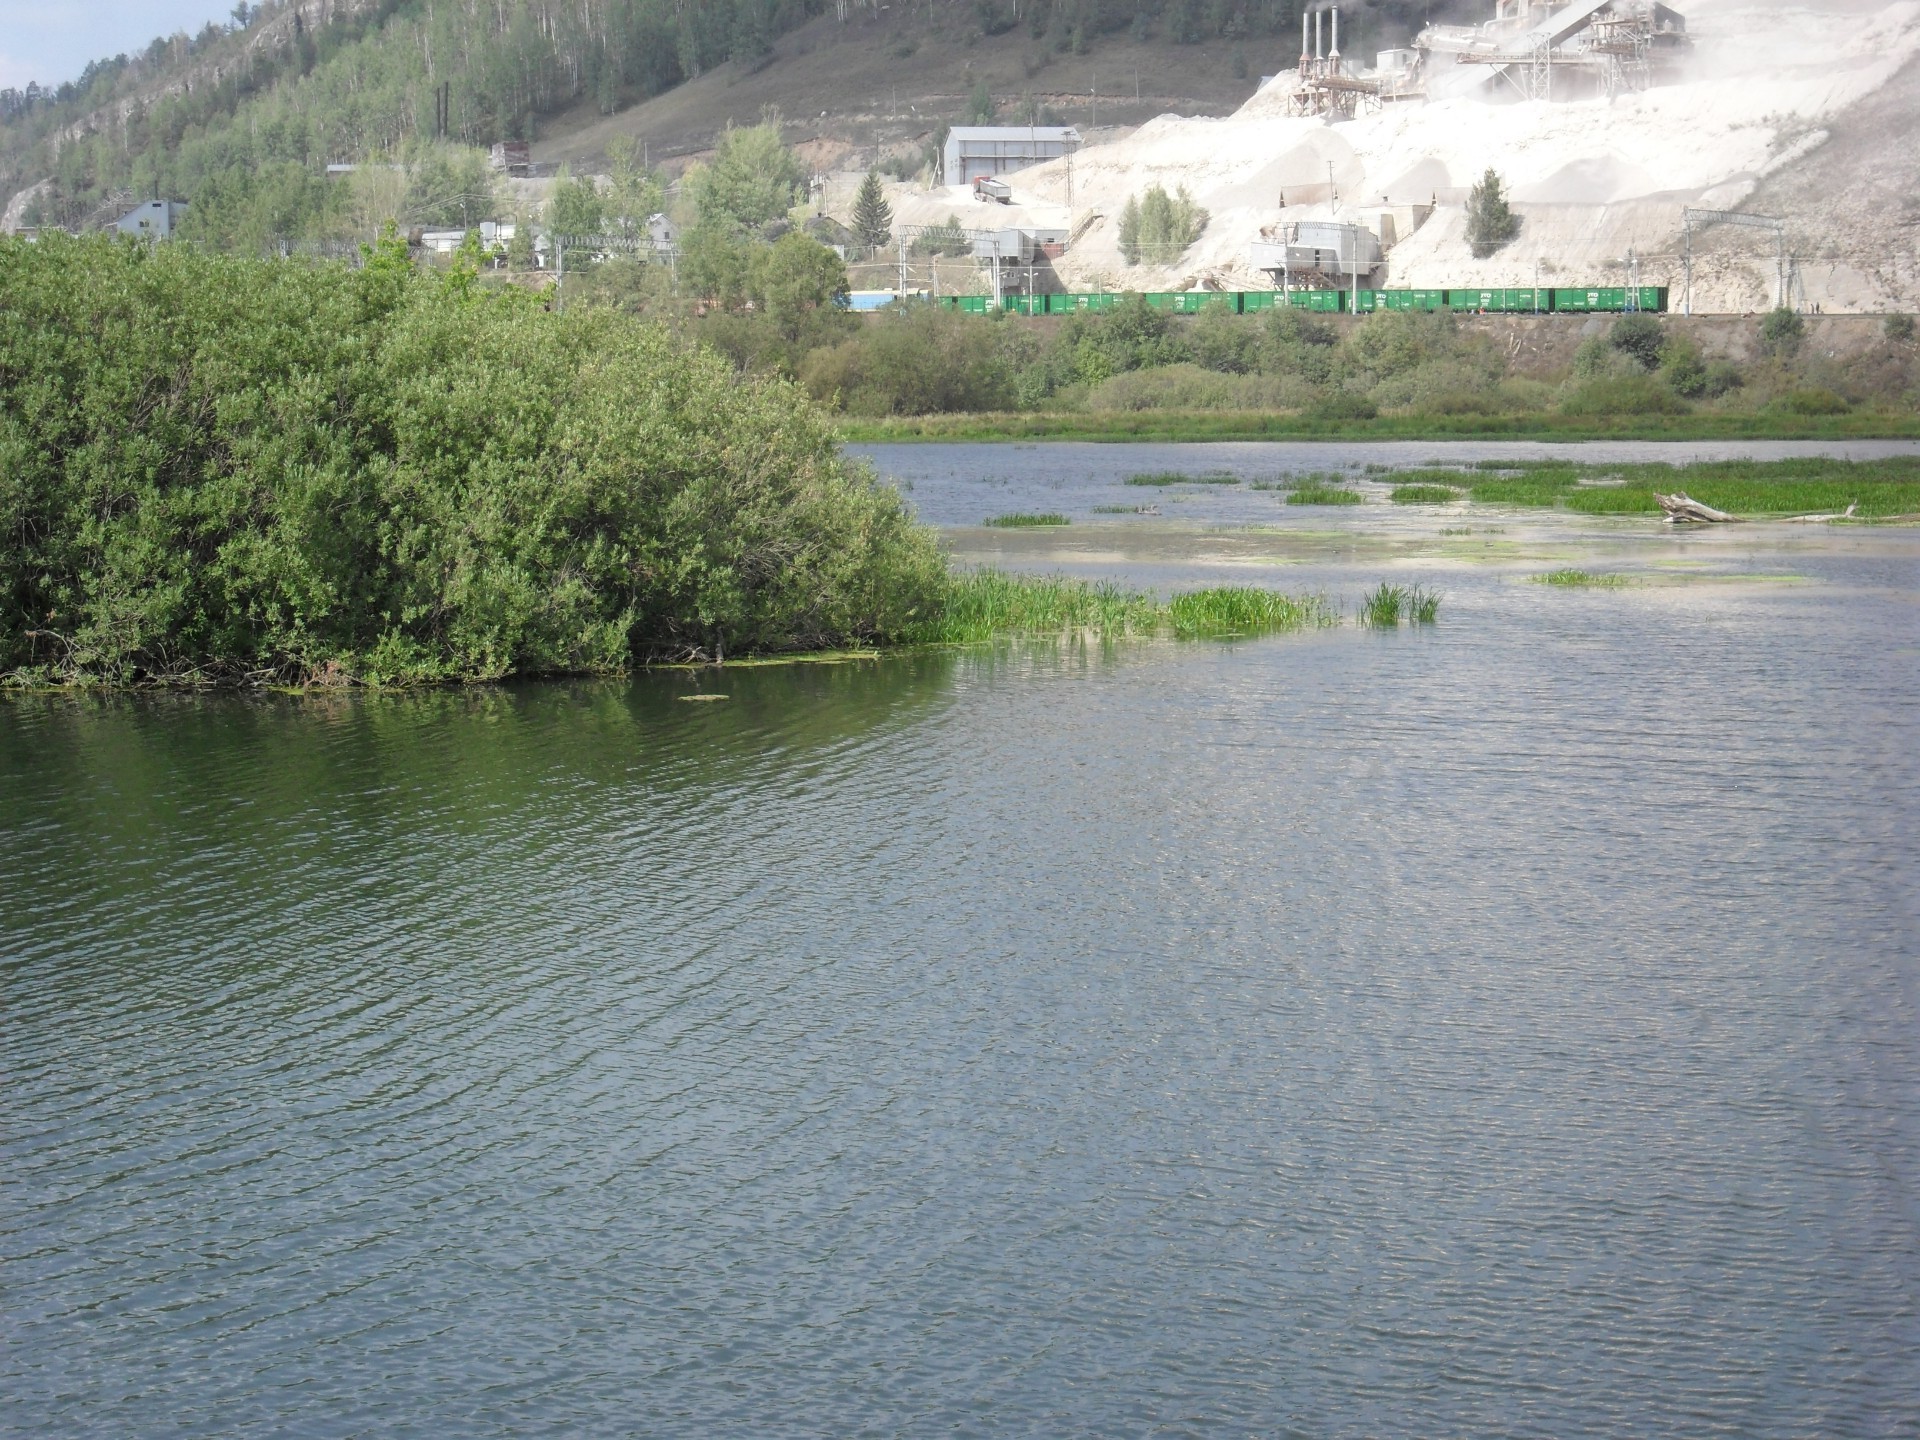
{"x": 1318, "y": 254}
{"x": 1544, "y": 49}
{"x": 1325, "y": 84}
{"x": 976, "y": 150}
{"x": 1785, "y": 266}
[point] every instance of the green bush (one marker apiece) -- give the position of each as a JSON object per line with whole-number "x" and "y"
{"x": 215, "y": 468}
{"x": 1812, "y": 401}
{"x": 916, "y": 360}
{"x": 1782, "y": 330}
{"x": 1188, "y": 387}
{"x": 1623, "y": 396}
{"x": 1640, "y": 338}
{"x": 1898, "y": 328}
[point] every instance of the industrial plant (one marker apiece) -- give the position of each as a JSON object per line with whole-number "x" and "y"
{"x": 1637, "y": 144}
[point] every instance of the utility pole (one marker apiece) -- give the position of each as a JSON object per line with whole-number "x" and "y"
{"x": 903, "y": 263}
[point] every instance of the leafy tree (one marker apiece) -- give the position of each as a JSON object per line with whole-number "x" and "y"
{"x": 715, "y": 265}
{"x": 980, "y": 106}
{"x": 1782, "y": 330}
{"x": 1490, "y": 222}
{"x": 752, "y": 179}
{"x": 1639, "y": 337}
{"x": 636, "y": 194}
{"x": 872, "y": 216}
{"x": 795, "y": 276}
{"x": 1158, "y": 228}
{"x": 949, "y": 238}
{"x": 578, "y": 206}
{"x": 520, "y": 247}
{"x": 448, "y": 187}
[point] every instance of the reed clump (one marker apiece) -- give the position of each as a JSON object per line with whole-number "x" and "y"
{"x": 1387, "y": 605}
{"x": 1243, "y": 610}
{"x": 1316, "y": 492}
{"x": 1180, "y": 477}
{"x": 1575, "y": 579}
{"x": 1024, "y": 520}
{"x": 987, "y": 604}
{"x": 1424, "y": 494}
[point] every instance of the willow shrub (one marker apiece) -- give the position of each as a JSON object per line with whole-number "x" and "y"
{"x": 215, "y": 468}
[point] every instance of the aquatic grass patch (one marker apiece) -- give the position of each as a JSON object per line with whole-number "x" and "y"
{"x": 1423, "y": 494}
{"x": 1181, "y": 477}
{"x": 987, "y": 604}
{"x": 1024, "y": 520}
{"x": 1541, "y": 488}
{"x": 1388, "y": 604}
{"x": 1580, "y": 579}
{"x": 1315, "y": 492}
{"x": 1126, "y": 510}
{"x": 1243, "y": 610}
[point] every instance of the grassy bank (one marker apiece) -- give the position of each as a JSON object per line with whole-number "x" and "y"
{"x": 1877, "y": 489}
{"x": 1202, "y": 425}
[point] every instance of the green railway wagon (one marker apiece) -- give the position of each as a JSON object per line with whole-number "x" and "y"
{"x": 967, "y": 304}
{"x": 1334, "y": 301}
{"x": 1185, "y": 302}
{"x": 1024, "y": 304}
{"x": 1600, "y": 297}
{"x": 1649, "y": 297}
{"x": 1254, "y": 301}
{"x": 1068, "y": 304}
{"x": 1523, "y": 301}
{"x": 1411, "y": 300}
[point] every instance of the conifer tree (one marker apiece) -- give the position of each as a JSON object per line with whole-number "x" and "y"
{"x": 1490, "y": 224}
{"x": 872, "y": 216}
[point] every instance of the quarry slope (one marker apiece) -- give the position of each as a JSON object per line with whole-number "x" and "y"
{"x": 1809, "y": 111}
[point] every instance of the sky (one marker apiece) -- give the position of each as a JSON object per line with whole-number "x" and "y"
{"x": 52, "y": 40}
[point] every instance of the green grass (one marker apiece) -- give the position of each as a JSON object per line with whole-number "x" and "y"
{"x": 1313, "y": 492}
{"x": 1242, "y": 610}
{"x": 1388, "y": 604}
{"x": 1200, "y": 425}
{"x": 1123, "y": 509}
{"x": 1424, "y": 494}
{"x": 1022, "y": 520}
{"x": 1586, "y": 579}
{"x": 1880, "y": 489}
{"x": 1177, "y": 477}
{"x": 987, "y": 604}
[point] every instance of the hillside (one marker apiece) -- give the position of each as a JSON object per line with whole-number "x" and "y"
{"x": 248, "y": 116}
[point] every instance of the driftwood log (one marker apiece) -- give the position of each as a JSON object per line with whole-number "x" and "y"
{"x": 1846, "y": 514}
{"x": 1682, "y": 509}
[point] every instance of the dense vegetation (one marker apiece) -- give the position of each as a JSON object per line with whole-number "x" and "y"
{"x": 1119, "y": 371}
{"x": 216, "y": 468}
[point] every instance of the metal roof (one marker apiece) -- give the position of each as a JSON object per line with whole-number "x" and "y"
{"x": 1013, "y": 132}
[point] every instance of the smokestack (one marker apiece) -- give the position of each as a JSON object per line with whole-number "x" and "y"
{"x": 1318, "y": 31}
{"x": 1304, "y": 56}
{"x": 1334, "y": 54}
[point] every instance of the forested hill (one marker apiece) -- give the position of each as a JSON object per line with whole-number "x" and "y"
{"x": 248, "y": 115}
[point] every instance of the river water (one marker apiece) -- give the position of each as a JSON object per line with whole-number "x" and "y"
{"x": 1503, "y": 1028}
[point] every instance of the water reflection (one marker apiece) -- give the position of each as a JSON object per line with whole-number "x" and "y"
{"x": 1507, "y": 1028}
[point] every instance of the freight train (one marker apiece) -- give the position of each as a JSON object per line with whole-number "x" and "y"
{"x": 1530, "y": 300}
